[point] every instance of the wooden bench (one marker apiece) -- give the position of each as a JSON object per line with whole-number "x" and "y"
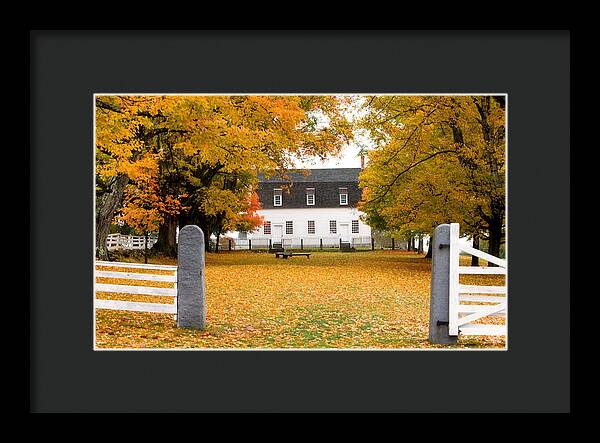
{"x": 291, "y": 254}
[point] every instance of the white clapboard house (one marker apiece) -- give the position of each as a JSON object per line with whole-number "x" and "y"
{"x": 310, "y": 209}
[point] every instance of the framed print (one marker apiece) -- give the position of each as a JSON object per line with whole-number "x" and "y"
{"x": 300, "y": 221}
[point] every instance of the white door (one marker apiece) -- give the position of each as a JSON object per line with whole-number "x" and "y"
{"x": 345, "y": 232}
{"x": 277, "y": 233}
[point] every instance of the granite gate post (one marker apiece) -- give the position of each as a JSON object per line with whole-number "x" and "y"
{"x": 440, "y": 287}
{"x": 191, "y": 287}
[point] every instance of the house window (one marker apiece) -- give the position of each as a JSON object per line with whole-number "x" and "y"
{"x": 267, "y": 228}
{"x": 289, "y": 227}
{"x": 332, "y": 227}
{"x": 277, "y": 197}
{"x": 310, "y": 196}
{"x": 355, "y": 226}
{"x": 311, "y": 226}
{"x": 343, "y": 196}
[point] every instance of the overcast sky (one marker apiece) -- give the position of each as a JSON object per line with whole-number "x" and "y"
{"x": 348, "y": 158}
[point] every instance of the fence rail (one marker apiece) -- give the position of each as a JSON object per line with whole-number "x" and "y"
{"x": 125, "y": 288}
{"x": 135, "y": 306}
{"x": 119, "y": 241}
{"x": 116, "y": 264}
{"x": 322, "y": 242}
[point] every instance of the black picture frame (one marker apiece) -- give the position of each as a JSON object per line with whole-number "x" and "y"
{"x": 68, "y": 67}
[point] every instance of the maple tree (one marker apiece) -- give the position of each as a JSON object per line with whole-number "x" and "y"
{"x": 437, "y": 159}
{"x": 124, "y": 126}
{"x": 144, "y": 208}
{"x": 207, "y": 152}
{"x": 232, "y": 139}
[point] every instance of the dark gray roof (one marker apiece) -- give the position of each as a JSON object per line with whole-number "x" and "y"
{"x": 316, "y": 176}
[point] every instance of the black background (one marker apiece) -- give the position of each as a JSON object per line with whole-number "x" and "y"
{"x": 67, "y": 68}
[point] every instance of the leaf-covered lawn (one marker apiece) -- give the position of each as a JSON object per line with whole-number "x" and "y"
{"x": 375, "y": 299}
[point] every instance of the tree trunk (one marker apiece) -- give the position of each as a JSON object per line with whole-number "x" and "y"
{"x": 217, "y": 244}
{"x": 495, "y": 239}
{"x": 430, "y": 247}
{"x": 167, "y": 237}
{"x": 106, "y": 205}
{"x": 420, "y": 244}
{"x": 206, "y": 232}
{"x": 146, "y": 247}
{"x": 497, "y": 202}
{"x": 474, "y": 258}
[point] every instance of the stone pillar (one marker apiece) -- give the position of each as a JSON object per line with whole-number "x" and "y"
{"x": 440, "y": 287}
{"x": 191, "y": 288}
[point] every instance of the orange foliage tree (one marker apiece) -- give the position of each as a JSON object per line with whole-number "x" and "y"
{"x": 144, "y": 208}
{"x": 207, "y": 152}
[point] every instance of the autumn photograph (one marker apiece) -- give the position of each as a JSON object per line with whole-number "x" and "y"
{"x": 300, "y": 222}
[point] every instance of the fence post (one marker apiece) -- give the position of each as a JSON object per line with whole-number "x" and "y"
{"x": 372, "y": 243}
{"x": 440, "y": 287}
{"x": 191, "y": 287}
{"x": 453, "y": 297}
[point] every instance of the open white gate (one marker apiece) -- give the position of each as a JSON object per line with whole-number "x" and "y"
{"x": 462, "y": 316}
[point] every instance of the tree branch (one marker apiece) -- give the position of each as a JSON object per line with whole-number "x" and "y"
{"x": 423, "y": 160}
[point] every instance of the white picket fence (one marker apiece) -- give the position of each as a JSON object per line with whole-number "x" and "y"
{"x": 462, "y": 316}
{"x": 127, "y": 274}
{"x": 119, "y": 241}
